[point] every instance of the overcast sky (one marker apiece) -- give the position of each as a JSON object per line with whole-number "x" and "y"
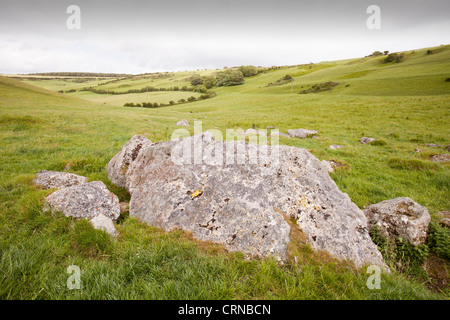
{"x": 137, "y": 36}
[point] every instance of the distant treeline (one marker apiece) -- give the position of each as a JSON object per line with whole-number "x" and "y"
{"x": 146, "y": 89}
{"x": 171, "y": 103}
{"x": 81, "y": 74}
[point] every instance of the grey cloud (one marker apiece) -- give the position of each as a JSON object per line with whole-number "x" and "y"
{"x": 144, "y": 36}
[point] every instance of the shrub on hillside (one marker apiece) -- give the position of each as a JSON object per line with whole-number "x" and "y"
{"x": 319, "y": 87}
{"x": 229, "y": 78}
{"x": 394, "y": 57}
{"x": 209, "y": 82}
{"x": 248, "y": 71}
{"x": 196, "y": 80}
{"x": 287, "y": 78}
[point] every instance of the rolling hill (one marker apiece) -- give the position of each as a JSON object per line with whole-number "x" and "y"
{"x": 403, "y": 105}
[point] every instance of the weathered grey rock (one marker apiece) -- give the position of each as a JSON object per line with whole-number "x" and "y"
{"x": 301, "y": 133}
{"x": 277, "y": 133}
{"x": 118, "y": 165}
{"x": 433, "y": 145}
{"x": 400, "y": 217}
{"x": 444, "y": 218}
{"x": 440, "y": 157}
{"x": 335, "y": 146}
{"x": 102, "y": 222}
{"x": 366, "y": 140}
{"x": 57, "y": 180}
{"x": 86, "y": 200}
{"x": 417, "y": 150}
{"x": 183, "y": 122}
{"x": 271, "y": 127}
{"x": 327, "y": 165}
{"x": 241, "y": 205}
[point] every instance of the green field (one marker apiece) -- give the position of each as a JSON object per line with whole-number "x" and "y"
{"x": 404, "y": 105}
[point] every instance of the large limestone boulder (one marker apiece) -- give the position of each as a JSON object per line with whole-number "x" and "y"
{"x": 301, "y": 133}
{"x": 56, "y": 180}
{"x": 119, "y": 164}
{"x": 400, "y": 217}
{"x": 243, "y": 204}
{"x": 86, "y": 200}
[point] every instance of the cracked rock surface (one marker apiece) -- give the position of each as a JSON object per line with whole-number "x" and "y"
{"x": 240, "y": 203}
{"x": 400, "y": 217}
{"x": 86, "y": 200}
{"x": 56, "y": 180}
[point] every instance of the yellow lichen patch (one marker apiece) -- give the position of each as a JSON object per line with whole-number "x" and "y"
{"x": 196, "y": 193}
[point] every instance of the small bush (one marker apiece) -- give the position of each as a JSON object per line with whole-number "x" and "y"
{"x": 439, "y": 240}
{"x": 248, "y": 71}
{"x": 319, "y": 87}
{"x": 229, "y": 78}
{"x": 399, "y": 253}
{"x": 394, "y": 57}
{"x": 196, "y": 80}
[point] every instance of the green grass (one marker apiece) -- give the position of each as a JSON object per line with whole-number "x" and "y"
{"x": 403, "y": 105}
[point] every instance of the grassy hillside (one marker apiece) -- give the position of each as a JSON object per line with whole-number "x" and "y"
{"x": 404, "y": 105}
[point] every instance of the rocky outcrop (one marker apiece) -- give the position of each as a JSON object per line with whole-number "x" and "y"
{"x": 86, "y": 200}
{"x": 119, "y": 164}
{"x": 301, "y": 133}
{"x": 433, "y": 145}
{"x": 400, "y": 217}
{"x": 440, "y": 157}
{"x": 56, "y": 180}
{"x": 243, "y": 204}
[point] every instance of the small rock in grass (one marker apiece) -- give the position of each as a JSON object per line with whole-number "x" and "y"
{"x": 444, "y": 217}
{"x": 335, "y": 146}
{"x": 183, "y": 122}
{"x": 281, "y": 134}
{"x": 366, "y": 140}
{"x": 301, "y": 133}
{"x": 433, "y": 145}
{"x": 102, "y": 222}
